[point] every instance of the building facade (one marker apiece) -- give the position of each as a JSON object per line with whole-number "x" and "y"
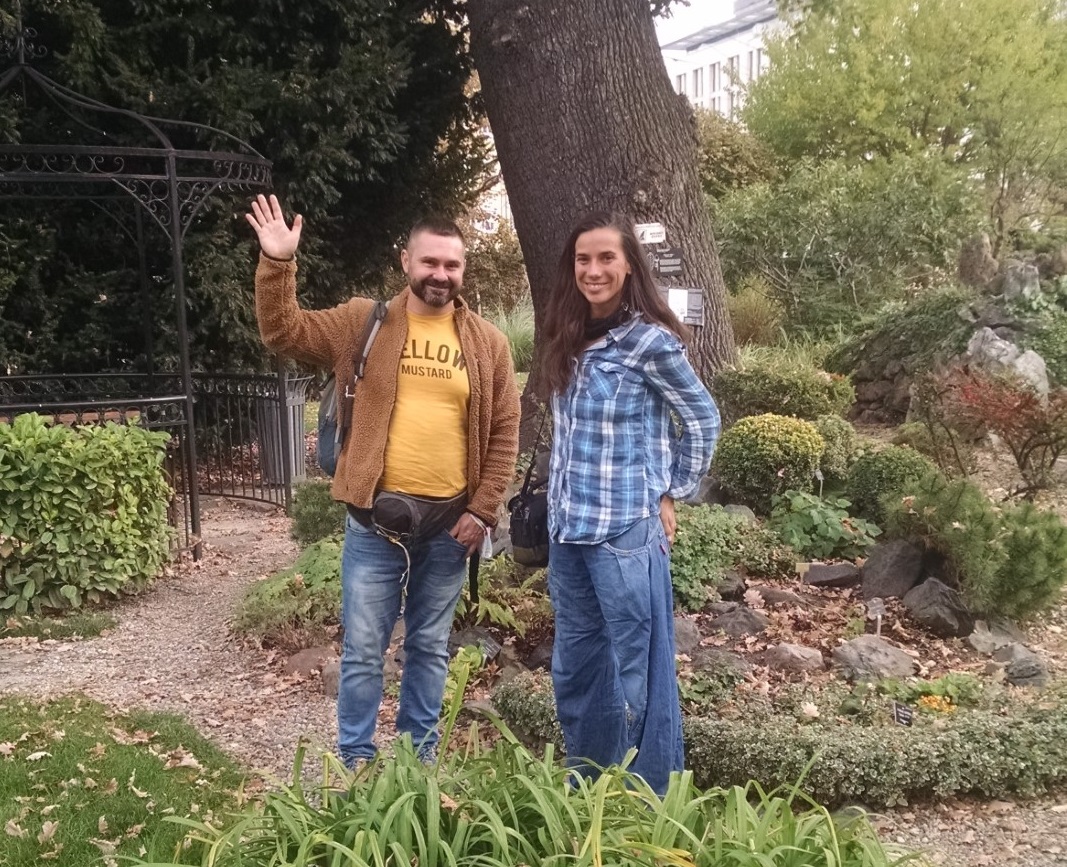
{"x": 712, "y": 64}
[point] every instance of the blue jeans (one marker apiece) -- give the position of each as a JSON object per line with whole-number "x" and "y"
{"x": 613, "y": 667}
{"x": 371, "y": 570}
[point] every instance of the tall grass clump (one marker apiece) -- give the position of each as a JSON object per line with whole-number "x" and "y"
{"x": 499, "y": 805}
{"x": 517, "y": 325}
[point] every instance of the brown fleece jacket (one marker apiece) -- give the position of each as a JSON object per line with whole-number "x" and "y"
{"x": 328, "y": 338}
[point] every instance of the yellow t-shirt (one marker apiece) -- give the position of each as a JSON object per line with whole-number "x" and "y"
{"x": 426, "y": 453}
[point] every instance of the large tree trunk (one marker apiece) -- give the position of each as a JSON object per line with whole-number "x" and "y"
{"x": 584, "y": 118}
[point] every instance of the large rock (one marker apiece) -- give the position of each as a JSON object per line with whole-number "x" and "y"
{"x": 708, "y": 492}
{"x": 1017, "y": 280}
{"x": 832, "y": 575}
{"x": 331, "y": 678}
{"x": 977, "y": 267}
{"x": 686, "y": 635}
{"x": 775, "y": 596}
{"x": 892, "y": 569}
{"x": 794, "y": 657}
{"x": 988, "y": 638}
{"x": 310, "y": 661}
{"x": 740, "y": 622}
{"x": 732, "y": 586}
{"x": 940, "y": 609}
{"x": 1022, "y": 667}
{"x": 715, "y": 659}
{"x": 871, "y": 656}
{"x": 996, "y": 355}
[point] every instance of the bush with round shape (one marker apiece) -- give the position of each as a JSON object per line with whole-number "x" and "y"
{"x": 764, "y": 455}
{"x": 316, "y": 514}
{"x": 876, "y": 476}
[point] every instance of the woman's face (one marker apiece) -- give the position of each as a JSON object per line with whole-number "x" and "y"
{"x": 600, "y": 269}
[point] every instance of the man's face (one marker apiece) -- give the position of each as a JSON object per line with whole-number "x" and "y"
{"x": 434, "y": 267}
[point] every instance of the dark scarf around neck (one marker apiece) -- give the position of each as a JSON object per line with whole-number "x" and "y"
{"x": 597, "y": 328}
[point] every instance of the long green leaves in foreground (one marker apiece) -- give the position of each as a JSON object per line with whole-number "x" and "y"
{"x": 499, "y": 805}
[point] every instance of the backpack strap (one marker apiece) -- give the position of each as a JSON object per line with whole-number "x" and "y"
{"x": 359, "y": 364}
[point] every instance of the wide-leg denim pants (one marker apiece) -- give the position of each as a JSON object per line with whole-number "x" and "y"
{"x": 371, "y": 570}
{"x": 613, "y": 665}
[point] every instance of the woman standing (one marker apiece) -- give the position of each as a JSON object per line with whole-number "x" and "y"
{"x": 634, "y": 430}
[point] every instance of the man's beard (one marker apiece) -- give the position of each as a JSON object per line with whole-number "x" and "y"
{"x": 436, "y": 294}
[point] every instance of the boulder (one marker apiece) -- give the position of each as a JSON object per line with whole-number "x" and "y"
{"x": 731, "y": 586}
{"x": 740, "y": 512}
{"x": 709, "y": 492}
{"x": 541, "y": 656}
{"x": 740, "y": 622}
{"x": 720, "y": 608}
{"x": 832, "y": 575}
{"x": 989, "y": 638}
{"x": 774, "y": 596}
{"x": 794, "y": 657}
{"x": 871, "y": 656}
{"x": 686, "y": 635}
{"x": 977, "y": 267}
{"x": 940, "y": 609}
{"x": 892, "y": 568}
{"x": 717, "y": 659}
{"x": 996, "y": 355}
{"x": 1017, "y": 280}
{"x": 310, "y": 661}
{"x": 331, "y": 678}
{"x": 1022, "y": 667}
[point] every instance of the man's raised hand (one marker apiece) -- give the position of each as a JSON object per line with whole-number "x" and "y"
{"x": 276, "y": 239}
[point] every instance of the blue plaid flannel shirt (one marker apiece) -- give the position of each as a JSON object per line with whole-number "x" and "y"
{"x": 616, "y": 448}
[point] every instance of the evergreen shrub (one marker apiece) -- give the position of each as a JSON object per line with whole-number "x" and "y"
{"x": 948, "y": 448}
{"x": 83, "y": 512}
{"x": 316, "y": 514}
{"x": 801, "y": 392}
{"x": 1010, "y": 562}
{"x": 876, "y": 476}
{"x": 840, "y": 438}
{"x": 763, "y": 455}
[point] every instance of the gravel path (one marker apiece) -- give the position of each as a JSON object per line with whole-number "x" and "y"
{"x": 172, "y": 651}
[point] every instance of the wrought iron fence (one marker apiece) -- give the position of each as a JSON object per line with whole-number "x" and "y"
{"x": 249, "y": 429}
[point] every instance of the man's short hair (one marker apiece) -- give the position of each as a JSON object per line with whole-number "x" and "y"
{"x": 437, "y": 226}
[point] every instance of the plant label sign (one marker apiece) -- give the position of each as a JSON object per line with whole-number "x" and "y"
{"x": 875, "y": 608}
{"x": 902, "y": 714}
{"x": 651, "y": 233}
{"x": 666, "y": 263}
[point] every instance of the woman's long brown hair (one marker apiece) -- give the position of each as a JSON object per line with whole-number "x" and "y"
{"x": 568, "y": 310}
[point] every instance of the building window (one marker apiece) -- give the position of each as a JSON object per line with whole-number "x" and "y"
{"x": 759, "y": 62}
{"x": 731, "y": 104}
{"x": 735, "y": 62}
{"x": 698, "y": 83}
{"x": 751, "y": 65}
{"x": 714, "y": 82}
{"x": 679, "y": 83}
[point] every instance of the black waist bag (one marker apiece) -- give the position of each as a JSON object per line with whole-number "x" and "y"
{"x": 407, "y": 519}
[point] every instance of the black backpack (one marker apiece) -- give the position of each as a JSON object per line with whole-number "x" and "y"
{"x": 335, "y": 408}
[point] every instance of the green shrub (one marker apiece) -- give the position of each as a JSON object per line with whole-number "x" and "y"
{"x": 1017, "y": 750}
{"x": 755, "y": 316}
{"x": 800, "y": 392}
{"x": 1009, "y": 562}
{"x": 297, "y": 607}
{"x": 913, "y": 334}
{"x": 316, "y": 514}
{"x": 943, "y": 445}
{"x": 762, "y": 553}
{"x": 763, "y": 455}
{"x": 820, "y": 529}
{"x": 83, "y": 512}
{"x": 879, "y": 475}
{"x": 1048, "y": 338}
{"x": 840, "y": 438}
{"x": 704, "y": 547}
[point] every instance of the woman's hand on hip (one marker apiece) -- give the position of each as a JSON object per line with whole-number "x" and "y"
{"x": 666, "y": 515}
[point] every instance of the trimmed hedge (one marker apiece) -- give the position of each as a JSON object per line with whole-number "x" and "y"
{"x": 83, "y": 512}
{"x": 764, "y": 455}
{"x": 316, "y": 514}
{"x": 979, "y": 752}
{"x": 801, "y": 392}
{"x": 877, "y": 477}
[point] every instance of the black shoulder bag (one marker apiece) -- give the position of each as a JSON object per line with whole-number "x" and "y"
{"x": 528, "y": 512}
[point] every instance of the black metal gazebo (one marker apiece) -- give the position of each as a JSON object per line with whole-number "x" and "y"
{"x": 128, "y": 165}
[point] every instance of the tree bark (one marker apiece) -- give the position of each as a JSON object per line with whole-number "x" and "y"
{"x": 584, "y": 118}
